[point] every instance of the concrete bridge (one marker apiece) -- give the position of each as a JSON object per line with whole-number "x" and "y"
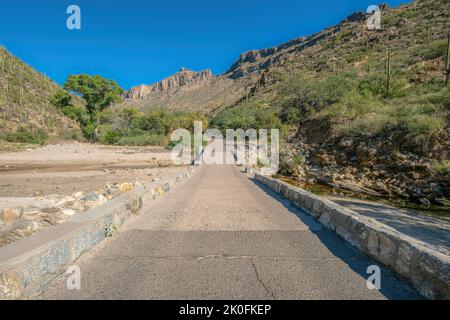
{"x": 221, "y": 235}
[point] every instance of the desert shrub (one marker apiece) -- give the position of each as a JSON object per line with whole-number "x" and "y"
{"x": 354, "y": 103}
{"x": 247, "y": 117}
{"x": 356, "y": 56}
{"x": 362, "y": 113}
{"x": 27, "y": 135}
{"x": 301, "y": 96}
{"x": 376, "y": 84}
{"x": 156, "y": 121}
{"x": 417, "y": 125}
{"x": 441, "y": 166}
{"x": 88, "y": 130}
{"x": 441, "y": 98}
{"x": 143, "y": 140}
{"x": 290, "y": 162}
{"x": 434, "y": 50}
{"x": 61, "y": 99}
{"x": 182, "y": 120}
{"x": 112, "y": 136}
{"x": 129, "y": 126}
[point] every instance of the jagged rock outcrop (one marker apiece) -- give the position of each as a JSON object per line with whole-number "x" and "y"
{"x": 252, "y": 71}
{"x": 170, "y": 84}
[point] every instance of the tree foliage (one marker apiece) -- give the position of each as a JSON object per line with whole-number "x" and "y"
{"x": 98, "y": 92}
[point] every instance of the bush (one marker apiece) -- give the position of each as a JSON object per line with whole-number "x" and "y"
{"x": 143, "y": 140}
{"x": 366, "y": 115}
{"x": 27, "y": 135}
{"x": 131, "y": 127}
{"x": 434, "y": 50}
{"x": 441, "y": 166}
{"x": 290, "y": 163}
{"x": 247, "y": 117}
{"x": 376, "y": 84}
{"x": 302, "y": 96}
{"x": 112, "y": 137}
{"x": 88, "y": 131}
{"x": 353, "y": 104}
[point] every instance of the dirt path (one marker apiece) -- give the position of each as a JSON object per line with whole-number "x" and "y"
{"x": 68, "y": 168}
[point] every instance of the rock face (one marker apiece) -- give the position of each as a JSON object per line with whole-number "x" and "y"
{"x": 201, "y": 91}
{"x": 170, "y": 84}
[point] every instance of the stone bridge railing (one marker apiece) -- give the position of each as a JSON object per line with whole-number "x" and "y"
{"x": 29, "y": 265}
{"x": 427, "y": 269}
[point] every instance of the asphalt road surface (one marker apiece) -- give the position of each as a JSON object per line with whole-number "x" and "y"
{"x": 220, "y": 235}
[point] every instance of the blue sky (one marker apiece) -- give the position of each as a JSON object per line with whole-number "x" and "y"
{"x": 137, "y": 41}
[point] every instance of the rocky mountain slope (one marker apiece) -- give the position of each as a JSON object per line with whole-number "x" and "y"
{"x": 26, "y": 113}
{"x": 367, "y": 111}
{"x": 331, "y": 50}
{"x": 189, "y": 90}
{"x": 169, "y": 85}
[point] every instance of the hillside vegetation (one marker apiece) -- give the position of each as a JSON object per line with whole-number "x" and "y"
{"x": 26, "y": 112}
{"x": 367, "y": 111}
{"x": 130, "y": 126}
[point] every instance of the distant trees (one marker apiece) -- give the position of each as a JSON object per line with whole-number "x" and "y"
{"x": 129, "y": 126}
{"x": 98, "y": 92}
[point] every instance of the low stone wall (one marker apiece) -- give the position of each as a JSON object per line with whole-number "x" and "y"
{"x": 29, "y": 265}
{"x": 426, "y": 269}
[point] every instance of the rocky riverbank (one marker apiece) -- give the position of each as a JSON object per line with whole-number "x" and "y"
{"x": 373, "y": 168}
{"x": 23, "y": 221}
{"x": 46, "y": 186}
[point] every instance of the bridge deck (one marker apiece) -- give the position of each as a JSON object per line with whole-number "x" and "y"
{"x": 219, "y": 235}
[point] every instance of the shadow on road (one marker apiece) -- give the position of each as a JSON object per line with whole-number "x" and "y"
{"x": 391, "y": 286}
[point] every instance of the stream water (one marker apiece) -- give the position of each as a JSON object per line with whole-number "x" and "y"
{"x": 324, "y": 190}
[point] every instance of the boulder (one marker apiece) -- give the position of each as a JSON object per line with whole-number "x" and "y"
{"x": 126, "y": 187}
{"x": 68, "y": 212}
{"x": 10, "y": 215}
{"x": 50, "y": 218}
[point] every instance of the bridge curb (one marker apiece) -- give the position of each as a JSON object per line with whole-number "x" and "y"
{"x": 29, "y": 265}
{"x": 411, "y": 259}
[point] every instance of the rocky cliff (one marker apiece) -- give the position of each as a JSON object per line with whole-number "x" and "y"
{"x": 200, "y": 91}
{"x": 169, "y": 85}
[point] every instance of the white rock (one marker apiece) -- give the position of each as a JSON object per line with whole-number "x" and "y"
{"x": 78, "y": 195}
{"x": 68, "y": 212}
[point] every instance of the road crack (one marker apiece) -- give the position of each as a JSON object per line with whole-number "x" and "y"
{"x": 208, "y": 257}
{"x": 260, "y": 280}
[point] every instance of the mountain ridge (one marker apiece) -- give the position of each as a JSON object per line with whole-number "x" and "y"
{"x": 169, "y": 84}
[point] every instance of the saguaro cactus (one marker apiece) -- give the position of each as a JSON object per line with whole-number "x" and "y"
{"x": 447, "y": 62}
{"x": 388, "y": 71}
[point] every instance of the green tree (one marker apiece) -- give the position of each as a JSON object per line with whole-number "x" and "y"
{"x": 98, "y": 92}
{"x": 61, "y": 99}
